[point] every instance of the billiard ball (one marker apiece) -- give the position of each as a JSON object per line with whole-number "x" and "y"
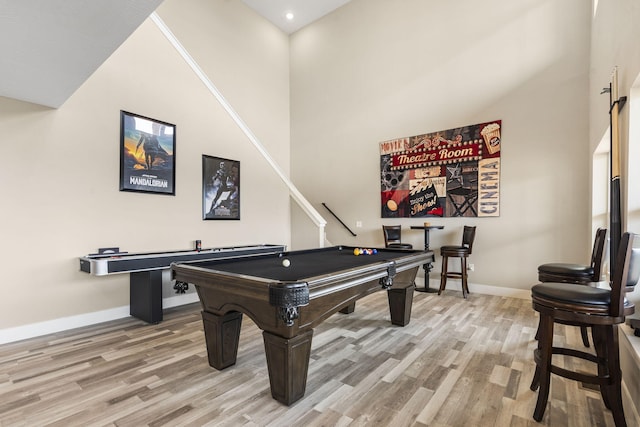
{"x": 356, "y": 251}
{"x": 286, "y": 262}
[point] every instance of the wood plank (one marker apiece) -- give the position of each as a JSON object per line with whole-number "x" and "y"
{"x": 458, "y": 362}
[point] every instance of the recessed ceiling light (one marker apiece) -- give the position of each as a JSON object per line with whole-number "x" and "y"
{"x": 289, "y": 16}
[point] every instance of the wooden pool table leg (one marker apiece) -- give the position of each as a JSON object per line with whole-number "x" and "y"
{"x": 288, "y": 363}
{"x": 348, "y": 309}
{"x": 222, "y": 334}
{"x": 400, "y": 302}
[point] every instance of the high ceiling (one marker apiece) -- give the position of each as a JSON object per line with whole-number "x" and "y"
{"x": 304, "y": 11}
{"x": 50, "y": 47}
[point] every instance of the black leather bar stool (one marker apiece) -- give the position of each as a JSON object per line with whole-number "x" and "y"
{"x": 463, "y": 251}
{"x": 578, "y": 273}
{"x": 393, "y": 237}
{"x": 598, "y": 308}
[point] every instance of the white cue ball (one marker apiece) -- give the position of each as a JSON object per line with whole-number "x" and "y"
{"x": 286, "y": 262}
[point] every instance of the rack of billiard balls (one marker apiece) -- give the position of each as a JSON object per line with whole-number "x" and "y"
{"x": 364, "y": 251}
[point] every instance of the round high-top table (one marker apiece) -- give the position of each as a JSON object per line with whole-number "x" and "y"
{"x": 427, "y": 267}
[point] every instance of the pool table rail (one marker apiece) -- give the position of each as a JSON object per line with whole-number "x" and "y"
{"x": 288, "y": 310}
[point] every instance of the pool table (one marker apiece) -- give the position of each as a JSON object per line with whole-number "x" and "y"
{"x": 287, "y": 302}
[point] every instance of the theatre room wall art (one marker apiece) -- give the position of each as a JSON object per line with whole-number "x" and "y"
{"x": 450, "y": 173}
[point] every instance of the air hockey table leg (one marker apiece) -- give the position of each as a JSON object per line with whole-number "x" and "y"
{"x": 145, "y": 295}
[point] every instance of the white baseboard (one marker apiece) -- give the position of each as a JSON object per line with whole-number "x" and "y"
{"x": 33, "y": 330}
{"x": 71, "y": 322}
{"x": 477, "y": 288}
{"x": 178, "y": 300}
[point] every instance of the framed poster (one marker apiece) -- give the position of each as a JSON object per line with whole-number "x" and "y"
{"x": 220, "y": 188}
{"x": 147, "y": 155}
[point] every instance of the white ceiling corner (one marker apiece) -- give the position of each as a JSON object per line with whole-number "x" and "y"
{"x": 305, "y": 11}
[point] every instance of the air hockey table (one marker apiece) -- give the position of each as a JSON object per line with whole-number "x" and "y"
{"x": 145, "y": 271}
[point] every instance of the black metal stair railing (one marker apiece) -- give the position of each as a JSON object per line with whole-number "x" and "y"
{"x": 339, "y": 220}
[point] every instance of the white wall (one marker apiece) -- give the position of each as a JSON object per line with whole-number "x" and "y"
{"x": 60, "y": 168}
{"x": 614, "y": 42}
{"x": 371, "y": 71}
{"x": 376, "y": 70}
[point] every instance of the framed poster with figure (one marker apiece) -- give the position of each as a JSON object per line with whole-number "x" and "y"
{"x": 220, "y": 188}
{"x": 147, "y": 155}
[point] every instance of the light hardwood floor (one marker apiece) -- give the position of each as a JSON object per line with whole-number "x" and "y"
{"x": 458, "y": 363}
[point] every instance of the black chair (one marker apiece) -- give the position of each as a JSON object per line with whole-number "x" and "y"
{"x": 393, "y": 237}
{"x": 578, "y": 273}
{"x": 598, "y": 308}
{"x": 463, "y": 251}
